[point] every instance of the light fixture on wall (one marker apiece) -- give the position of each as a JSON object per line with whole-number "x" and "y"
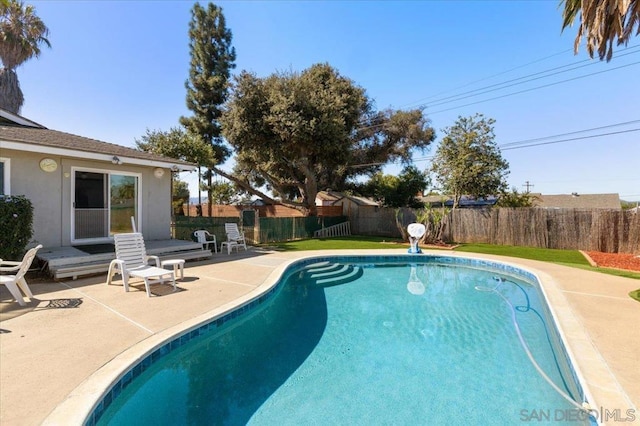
{"x": 158, "y": 172}
{"x": 116, "y": 160}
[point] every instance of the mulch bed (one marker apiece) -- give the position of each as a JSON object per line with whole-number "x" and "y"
{"x": 615, "y": 260}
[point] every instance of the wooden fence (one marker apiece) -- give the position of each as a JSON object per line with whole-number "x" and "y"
{"x": 219, "y": 210}
{"x": 609, "y": 231}
{"x": 263, "y": 230}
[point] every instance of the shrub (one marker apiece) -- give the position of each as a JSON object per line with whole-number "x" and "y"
{"x": 435, "y": 221}
{"x": 16, "y": 226}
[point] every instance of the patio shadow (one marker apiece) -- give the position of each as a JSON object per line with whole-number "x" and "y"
{"x": 11, "y": 309}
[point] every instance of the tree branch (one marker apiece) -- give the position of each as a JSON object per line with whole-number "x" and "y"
{"x": 244, "y": 185}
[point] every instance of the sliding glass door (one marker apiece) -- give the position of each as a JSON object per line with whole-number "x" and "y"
{"x": 123, "y": 205}
{"x": 104, "y": 203}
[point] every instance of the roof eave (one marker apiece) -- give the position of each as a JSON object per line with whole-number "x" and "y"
{"x": 175, "y": 165}
{"x": 19, "y": 120}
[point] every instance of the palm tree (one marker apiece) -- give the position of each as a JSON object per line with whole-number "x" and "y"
{"x": 21, "y": 34}
{"x": 602, "y": 22}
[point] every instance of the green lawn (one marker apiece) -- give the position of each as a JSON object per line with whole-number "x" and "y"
{"x": 571, "y": 258}
{"x": 341, "y": 243}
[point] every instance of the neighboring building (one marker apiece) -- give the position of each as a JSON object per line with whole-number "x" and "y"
{"x": 578, "y": 201}
{"x": 562, "y": 201}
{"x": 349, "y": 203}
{"x": 84, "y": 190}
{"x": 466, "y": 202}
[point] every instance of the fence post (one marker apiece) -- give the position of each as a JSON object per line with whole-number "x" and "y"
{"x": 256, "y": 227}
{"x": 293, "y": 229}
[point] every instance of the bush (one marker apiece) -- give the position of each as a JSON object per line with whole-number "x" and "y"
{"x": 16, "y": 226}
{"x": 435, "y": 221}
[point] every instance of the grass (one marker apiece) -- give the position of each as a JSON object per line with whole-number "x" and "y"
{"x": 341, "y": 243}
{"x": 635, "y": 294}
{"x": 572, "y": 258}
{"x": 568, "y": 257}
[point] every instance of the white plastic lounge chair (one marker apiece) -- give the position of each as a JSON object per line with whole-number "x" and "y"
{"x": 16, "y": 282}
{"x": 205, "y": 238}
{"x": 132, "y": 260}
{"x": 235, "y": 238}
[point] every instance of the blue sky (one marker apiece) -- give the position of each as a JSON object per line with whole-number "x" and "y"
{"x": 117, "y": 68}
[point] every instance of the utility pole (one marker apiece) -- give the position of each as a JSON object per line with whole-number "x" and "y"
{"x": 528, "y": 185}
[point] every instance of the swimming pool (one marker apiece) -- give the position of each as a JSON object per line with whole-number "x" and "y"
{"x": 400, "y": 339}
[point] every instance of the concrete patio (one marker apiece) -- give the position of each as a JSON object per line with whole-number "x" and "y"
{"x": 60, "y": 352}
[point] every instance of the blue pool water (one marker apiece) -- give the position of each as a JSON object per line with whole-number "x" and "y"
{"x": 344, "y": 341}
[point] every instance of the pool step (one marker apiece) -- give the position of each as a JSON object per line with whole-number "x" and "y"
{"x": 336, "y": 270}
{"x": 333, "y": 274}
{"x": 317, "y": 265}
{"x": 328, "y": 267}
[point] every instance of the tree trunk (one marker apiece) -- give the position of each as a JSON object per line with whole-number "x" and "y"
{"x": 311, "y": 189}
{"x": 209, "y": 193}
{"x": 11, "y": 97}
{"x": 199, "y": 187}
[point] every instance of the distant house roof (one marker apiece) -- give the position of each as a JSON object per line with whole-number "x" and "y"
{"x": 333, "y": 197}
{"x": 329, "y": 196}
{"x": 21, "y": 134}
{"x": 465, "y": 201}
{"x": 578, "y": 201}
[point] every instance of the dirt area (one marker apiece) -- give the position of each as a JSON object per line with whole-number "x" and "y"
{"x": 615, "y": 260}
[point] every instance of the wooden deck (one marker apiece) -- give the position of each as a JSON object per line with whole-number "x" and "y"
{"x": 72, "y": 262}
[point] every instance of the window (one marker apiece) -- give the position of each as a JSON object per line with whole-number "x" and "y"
{"x": 5, "y": 187}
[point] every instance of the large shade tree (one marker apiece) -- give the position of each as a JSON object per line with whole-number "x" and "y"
{"x": 468, "y": 160}
{"x": 602, "y": 22}
{"x": 212, "y": 59}
{"x": 296, "y": 133}
{"x": 22, "y": 33}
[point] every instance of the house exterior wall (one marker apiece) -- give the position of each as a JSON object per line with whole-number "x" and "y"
{"x": 43, "y": 189}
{"x": 51, "y": 196}
{"x": 156, "y": 204}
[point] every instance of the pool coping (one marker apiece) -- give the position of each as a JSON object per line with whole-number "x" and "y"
{"x": 597, "y": 380}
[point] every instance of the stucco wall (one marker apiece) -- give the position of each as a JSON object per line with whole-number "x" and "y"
{"x": 50, "y": 193}
{"x": 43, "y": 189}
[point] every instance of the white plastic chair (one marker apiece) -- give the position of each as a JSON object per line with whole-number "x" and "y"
{"x": 205, "y": 238}
{"x": 16, "y": 282}
{"x": 132, "y": 260}
{"x": 235, "y": 238}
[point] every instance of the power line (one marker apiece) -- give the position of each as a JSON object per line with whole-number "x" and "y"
{"x": 514, "y": 82}
{"x": 487, "y": 78}
{"x": 530, "y": 77}
{"x": 535, "y": 88}
{"x": 524, "y": 144}
{"x": 571, "y": 139}
{"x": 527, "y": 143}
{"x": 569, "y": 133}
{"x": 513, "y": 93}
